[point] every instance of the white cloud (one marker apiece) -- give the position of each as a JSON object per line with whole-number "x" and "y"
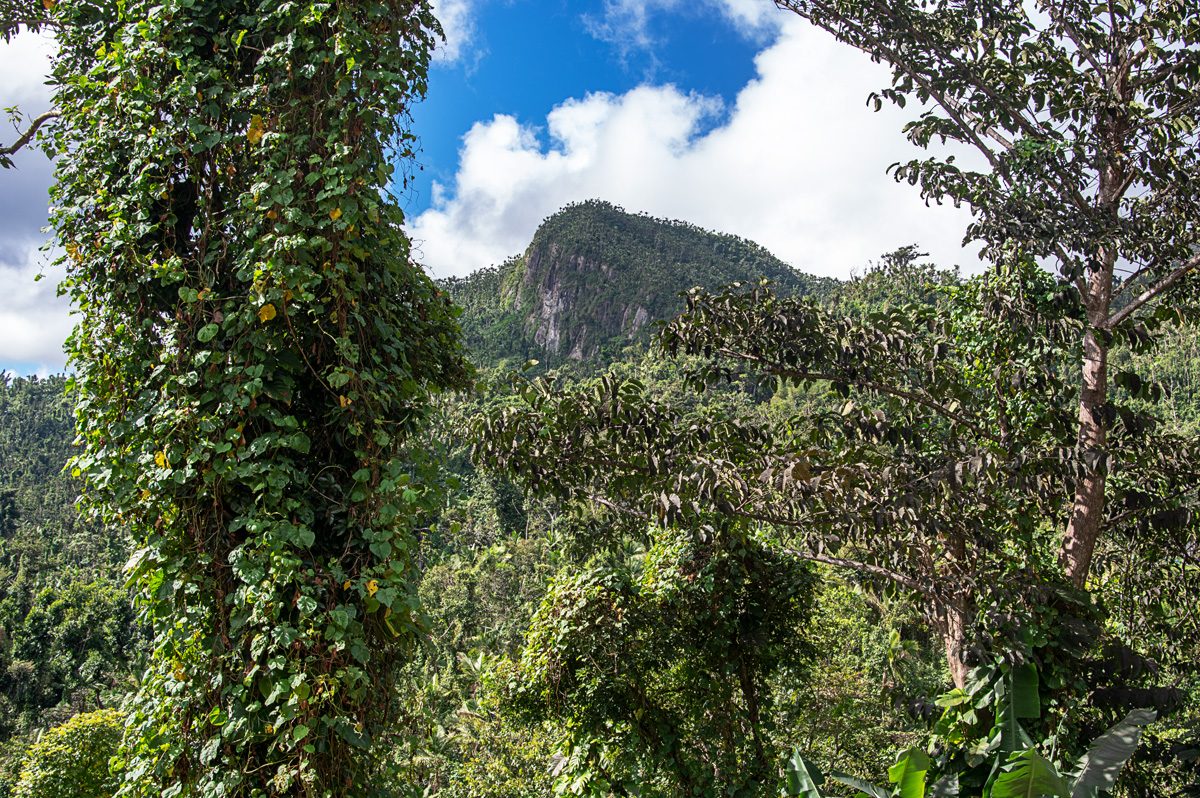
{"x": 33, "y": 321}
{"x": 24, "y": 64}
{"x": 797, "y": 165}
{"x": 458, "y": 24}
{"x": 626, "y": 23}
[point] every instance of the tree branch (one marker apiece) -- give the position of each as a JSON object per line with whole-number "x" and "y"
{"x": 870, "y": 385}
{"x": 839, "y": 562}
{"x": 1151, "y": 293}
{"x": 863, "y": 567}
{"x": 958, "y": 113}
{"x": 27, "y": 136}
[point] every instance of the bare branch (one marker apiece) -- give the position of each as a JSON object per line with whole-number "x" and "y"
{"x": 1076, "y": 39}
{"x": 839, "y": 562}
{"x": 1151, "y": 293}
{"x": 863, "y": 567}
{"x": 27, "y": 136}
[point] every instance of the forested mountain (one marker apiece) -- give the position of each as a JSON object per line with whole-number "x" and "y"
{"x": 594, "y": 278}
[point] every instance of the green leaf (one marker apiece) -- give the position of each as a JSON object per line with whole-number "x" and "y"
{"x": 908, "y": 774}
{"x": 1026, "y": 702}
{"x": 299, "y": 732}
{"x": 864, "y": 787}
{"x": 945, "y": 787}
{"x": 1100, "y": 766}
{"x": 207, "y": 333}
{"x": 208, "y": 754}
{"x": 802, "y": 779}
{"x": 1029, "y": 775}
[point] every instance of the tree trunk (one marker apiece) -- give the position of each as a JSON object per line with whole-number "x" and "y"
{"x": 952, "y": 624}
{"x": 1083, "y": 530}
{"x": 952, "y": 619}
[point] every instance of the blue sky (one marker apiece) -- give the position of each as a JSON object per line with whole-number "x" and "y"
{"x": 526, "y": 56}
{"x": 729, "y": 114}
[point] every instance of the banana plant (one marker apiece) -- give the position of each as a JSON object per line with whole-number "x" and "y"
{"x": 1028, "y": 774}
{"x": 1020, "y": 774}
{"x": 907, "y": 778}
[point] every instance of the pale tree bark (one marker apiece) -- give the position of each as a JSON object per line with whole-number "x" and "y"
{"x": 1087, "y": 512}
{"x": 952, "y": 619}
{"x": 955, "y": 609}
{"x": 1083, "y": 529}
{"x": 24, "y": 139}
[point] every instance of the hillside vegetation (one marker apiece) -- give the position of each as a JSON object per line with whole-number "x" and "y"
{"x": 852, "y": 670}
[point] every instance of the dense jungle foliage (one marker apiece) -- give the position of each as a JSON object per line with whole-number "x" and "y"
{"x": 514, "y": 588}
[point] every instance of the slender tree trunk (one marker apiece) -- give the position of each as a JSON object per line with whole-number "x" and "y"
{"x": 750, "y": 694}
{"x": 1083, "y": 530}
{"x": 1087, "y": 512}
{"x": 952, "y": 624}
{"x": 952, "y": 616}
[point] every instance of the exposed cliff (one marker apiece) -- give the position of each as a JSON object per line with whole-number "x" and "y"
{"x": 595, "y": 277}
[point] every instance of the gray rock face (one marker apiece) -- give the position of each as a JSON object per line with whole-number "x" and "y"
{"x": 572, "y": 303}
{"x": 594, "y": 278}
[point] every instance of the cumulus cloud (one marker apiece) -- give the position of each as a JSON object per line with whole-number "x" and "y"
{"x": 24, "y": 63}
{"x": 797, "y": 164}
{"x": 457, "y": 18}
{"x": 33, "y": 320}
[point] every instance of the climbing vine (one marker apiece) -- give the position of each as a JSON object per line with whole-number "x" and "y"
{"x": 254, "y": 349}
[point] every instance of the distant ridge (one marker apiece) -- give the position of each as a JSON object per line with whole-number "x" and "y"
{"x": 595, "y": 276}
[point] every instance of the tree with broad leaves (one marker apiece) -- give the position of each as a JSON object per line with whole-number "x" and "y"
{"x": 1086, "y": 116}
{"x": 944, "y": 473}
{"x": 959, "y": 432}
{"x": 923, "y": 476}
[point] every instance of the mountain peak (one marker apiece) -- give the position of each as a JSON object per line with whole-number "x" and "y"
{"x": 595, "y": 276}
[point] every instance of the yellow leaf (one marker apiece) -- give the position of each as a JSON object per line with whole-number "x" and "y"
{"x": 346, "y": 586}
{"x": 344, "y": 402}
{"x": 255, "y": 133}
{"x": 180, "y": 674}
{"x": 287, "y": 296}
{"x": 160, "y": 459}
{"x": 272, "y": 214}
{"x": 372, "y": 587}
{"x": 266, "y": 313}
{"x": 335, "y": 214}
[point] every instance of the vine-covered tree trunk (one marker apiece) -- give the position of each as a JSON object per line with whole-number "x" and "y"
{"x": 254, "y": 348}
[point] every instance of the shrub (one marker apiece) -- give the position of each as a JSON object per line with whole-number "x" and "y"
{"x": 73, "y": 759}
